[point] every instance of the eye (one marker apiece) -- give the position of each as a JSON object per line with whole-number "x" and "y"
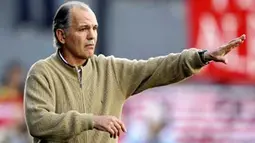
{"x": 84, "y": 28}
{"x": 95, "y": 27}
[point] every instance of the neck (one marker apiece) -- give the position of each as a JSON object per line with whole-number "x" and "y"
{"x": 71, "y": 59}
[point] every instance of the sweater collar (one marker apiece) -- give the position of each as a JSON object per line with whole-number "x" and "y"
{"x": 72, "y": 70}
{"x": 64, "y": 60}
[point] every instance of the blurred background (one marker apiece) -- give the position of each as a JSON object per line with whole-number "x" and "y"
{"x": 215, "y": 106}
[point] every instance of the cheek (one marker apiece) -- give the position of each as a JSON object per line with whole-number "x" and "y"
{"x": 71, "y": 40}
{"x": 96, "y": 39}
{"x": 96, "y": 36}
{"x": 76, "y": 38}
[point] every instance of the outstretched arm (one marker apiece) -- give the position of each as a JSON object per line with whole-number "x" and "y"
{"x": 135, "y": 76}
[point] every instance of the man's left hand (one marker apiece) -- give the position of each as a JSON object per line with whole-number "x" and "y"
{"x": 218, "y": 54}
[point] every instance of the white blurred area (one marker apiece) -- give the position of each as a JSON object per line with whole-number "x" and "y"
{"x": 215, "y": 106}
{"x": 191, "y": 114}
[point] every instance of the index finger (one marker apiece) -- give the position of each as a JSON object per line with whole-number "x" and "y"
{"x": 235, "y": 42}
{"x": 242, "y": 37}
{"x": 122, "y": 125}
{"x": 238, "y": 40}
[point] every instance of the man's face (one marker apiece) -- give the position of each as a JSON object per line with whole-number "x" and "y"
{"x": 81, "y": 38}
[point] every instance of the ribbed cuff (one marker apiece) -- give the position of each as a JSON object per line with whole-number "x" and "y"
{"x": 202, "y": 56}
{"x": 196, "y": 58}
{"x": 88, "y": 121}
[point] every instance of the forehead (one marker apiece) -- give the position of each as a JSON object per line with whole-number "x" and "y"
{"x": 82, "y": 16}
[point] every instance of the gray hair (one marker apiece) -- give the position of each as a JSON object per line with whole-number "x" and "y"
{"x": 62, "y": 18}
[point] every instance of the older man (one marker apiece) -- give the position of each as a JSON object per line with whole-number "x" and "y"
{"x": 76, "y": 96}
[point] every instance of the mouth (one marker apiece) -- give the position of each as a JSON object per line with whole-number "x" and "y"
{"x": 90, "y": 46}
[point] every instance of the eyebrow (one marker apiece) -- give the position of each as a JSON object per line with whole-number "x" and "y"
{"x": 87, "y": 25}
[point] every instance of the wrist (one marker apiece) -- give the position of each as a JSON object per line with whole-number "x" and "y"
{"x": 205, "y": 56}
{"x": 208, "y": 57}
{"x": 95, "y": 121}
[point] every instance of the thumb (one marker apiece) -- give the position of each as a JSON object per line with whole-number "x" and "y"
{"x": 225, "y": 61}
{"x": 221, "y": 59}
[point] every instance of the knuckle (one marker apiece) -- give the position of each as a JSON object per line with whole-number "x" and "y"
{"x": 109, "y": 127}
{"x": 118, "y": 126}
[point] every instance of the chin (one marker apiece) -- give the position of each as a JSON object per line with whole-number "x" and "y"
{"x": 83, "y": 57}
{"x": 88, "y": 55}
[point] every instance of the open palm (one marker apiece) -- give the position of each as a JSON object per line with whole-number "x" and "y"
{"x": 218, "y": 54}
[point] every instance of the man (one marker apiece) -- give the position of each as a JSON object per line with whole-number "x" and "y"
{"x": 76, "y": 96}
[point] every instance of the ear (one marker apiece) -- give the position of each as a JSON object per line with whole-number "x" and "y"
{"x": 60, "y": 33}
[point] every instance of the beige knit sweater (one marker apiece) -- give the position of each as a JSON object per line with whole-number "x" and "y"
{"x": 59, "y": 104}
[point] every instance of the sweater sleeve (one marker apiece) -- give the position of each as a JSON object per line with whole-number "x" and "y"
{"x": 134, "y": 76}
{"x": 42, "y": 121}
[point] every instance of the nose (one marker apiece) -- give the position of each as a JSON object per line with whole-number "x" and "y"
{"x": 91, "y": 34}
